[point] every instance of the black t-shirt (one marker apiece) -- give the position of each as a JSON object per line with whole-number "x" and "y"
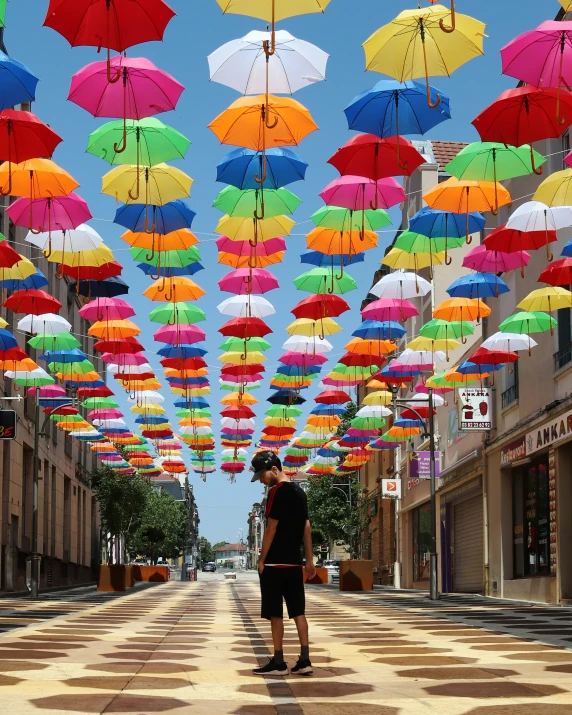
{"x": 287, "y": 504}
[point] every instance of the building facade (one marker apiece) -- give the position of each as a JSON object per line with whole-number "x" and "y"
{"x": 234, "y": 554}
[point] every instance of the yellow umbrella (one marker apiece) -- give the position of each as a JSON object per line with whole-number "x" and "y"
{"x": 556, "y": 189}
{"x": 547, "y": 300}
{"x": 236, "y": 358}
{"x": 95, "y": 257}
{"x": 19, "y": 271}
{"x": 238, "y": 228}
{"x": 380, "y": 397}
{"x": 237, "y": 398}
{"x": 310, "y": 328}
{"x": 422, "y": 343}
{"x": 397, "y": 258}
{"x": 418, "y": 43}
{"x": 148, "y": 409}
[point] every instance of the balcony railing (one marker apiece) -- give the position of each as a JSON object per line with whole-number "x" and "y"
{"x": 509, "y": 396}
{"x": 563, "y": 356}
{"x": 82, "y": 474}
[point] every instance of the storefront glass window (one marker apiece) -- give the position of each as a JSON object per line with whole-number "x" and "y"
{"x": 530, "y": 520}
{"x": 421, "y": 542}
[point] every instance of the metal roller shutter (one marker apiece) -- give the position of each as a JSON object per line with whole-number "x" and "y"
{"x": 468, "y": 546}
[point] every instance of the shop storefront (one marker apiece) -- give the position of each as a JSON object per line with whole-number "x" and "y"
{"x": 421, "y": 528}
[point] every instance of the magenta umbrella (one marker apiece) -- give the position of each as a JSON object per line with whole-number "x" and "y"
{"x": 144, "y": 90}
{"x": 107, "y": 309}
{"x": 358, "y": 193}
{"x": 109, "y": 414}
{"x": 179, "y": 334}
{"x": 53, "y": 213}
{"x": 389, "y": 309}
{"x": 481, "y": 259}
{"x": 246, "y": 378}
{"x": 124, "y": 359}
{"x": 48, "y": 391}
{"x": 244, "y": 281}
{"x": 302, "y": 359}
{"x": 541, "y": 57}
{"x": 244, "y": 248}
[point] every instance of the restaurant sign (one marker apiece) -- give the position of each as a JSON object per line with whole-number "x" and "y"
{"x": 513, "y": 452}
{"x": 475, "y": 413}
{"x": 549, "y": 433}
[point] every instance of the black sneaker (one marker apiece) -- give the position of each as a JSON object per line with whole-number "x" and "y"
{"x": 302, "y": 667}
{"x": 272, "y": 668}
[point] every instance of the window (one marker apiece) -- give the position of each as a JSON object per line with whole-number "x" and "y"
{"x": 530, "y": 520}
{"x": 510, "y": 393}
{"x": 421, "y": 542}
{"x": 564, "y": 354}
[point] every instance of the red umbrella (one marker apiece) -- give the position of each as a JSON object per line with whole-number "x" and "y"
{"x": 524, "y": 115}
{"x": 509, "y": 240}
{"x": 280, "y": 431}
{"x": 322, "y": 305}
{"x": 228, "y": 369}
{"x": 238, "y": 413}
{"x": 492, "y": 357}
{"x": 355, "y": 360}
{"x": 558, "y": 273}
{"x": 188, "y": 363}
{"x": 333, "y": 397}
{"x": 102, "y": 391}
{"x": 91, "y": 273}
{"x": 8, "y": 256}
{"x": 420, "y": 411}
{"x": 118, "y": 347}
{"x": 36, "y": 302}
{"x": 245, "y": 328}
{"x": 375, "y": 158}
{"x": 109, "y": 23}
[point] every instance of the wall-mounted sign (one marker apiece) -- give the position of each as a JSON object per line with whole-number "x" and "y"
{"x": 550, "y": 432}
{"x": 391, "y": 488}
{"x": 7, "y": 424}
{"x": 420, "y": 465}
{"x": 513, "y": 452}
{"x": 475, "y": 413}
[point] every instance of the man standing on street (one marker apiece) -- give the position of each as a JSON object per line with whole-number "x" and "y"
{"x": 280, "y": 563}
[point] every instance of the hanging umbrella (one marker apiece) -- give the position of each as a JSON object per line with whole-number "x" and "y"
{"x": 246, "y": 306}
{"x": 511, "y": 240}
{"x": 342, "y": 219}
{"x": 331, "y": 242}
{"x": 417, "y": 243}
{"x": 320, "y": 306}
{"x": 322, "y": 260}
{"x": 308, "y": 327}
{"x": 238, "y": 228}
{"x": 75, "y": 240}
{"x": 17, "y": 82}
{"x": 507, "y": 342}
{"x": 35, "y": 302}
{"x": 398, "y": 259}
{"x": 244, "y": 281}
{"x": 400, "y": 284}
{"x": 163, "y": 184}
{"x": 180, "y": 289}
{"x": 524, "y": 115}
{"x": 173, "y": 216}
{"x": 438, "y": 329}
{"x": 481, "y": 258}
{"x": 477, "y": 285}
{"x": 368, "y": 155}
{"x": 106, "y": 288}
{"x": 537, "y": 216}
{"x": 434, "y": 223}
{"x": 556, "y": 189}
{"x": 389, "y": 309}
{"x": 53, "y": 212}
{"x": 526, "y": 322}
{"x": 546, "y": 300}
{"x": 359, "y": 193}
{"x": 256, "y": 202}
{"x": 244, "y": 65}
{"x": 324, "y": 280}
{"x": 461, "y": 309}
{"x": 35, "y": 179}
{"x": 48, "y": 324}
{"x": 557, "y": 274}
{"x": 380, "y": 330}
{"x": 242, "y": 167}
{"x": 177, "y": 313}
{"x": 415, "y": 44}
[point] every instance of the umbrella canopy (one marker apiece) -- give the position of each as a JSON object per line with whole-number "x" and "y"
{"x": 399, "y": 285}
{"x": 368, "y": 155}
{"x": 478, "y": 285}
{"x": 248, "y": 280}
{"x": 359, "y": 193}
{"x": 464, "y": 196}
{"x": 461, "y": 310}
{"x": 58, "y": 212}
{"x": 160, "y": 184}
{"x": 546, "y": 300}
{"x": 35, "y": 179}
{"x": 493, "y": 161}
{"x": 481, "y": 258}
{"x": 172, "y": 216}
{"x": 556, "y": 189}
{"x": 247, "y": 202}
{"x": 324, "y": 280}
{"x": 36, "y": 302}
{"x": 318, "y": 306}
{"x": 526, "y": 322}
{"x": 18, "y": 83}
{"x": 389, "y": 309}
{"x": 242, "y": 167}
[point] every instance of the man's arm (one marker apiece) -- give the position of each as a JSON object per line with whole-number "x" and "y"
{"x": 310, "y": 568}
{"x": 269, "y": 534}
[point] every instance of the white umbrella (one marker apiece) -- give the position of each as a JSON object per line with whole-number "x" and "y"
{"x": 196, "y": 430}
{"x": 420, "y": 399}
{"x": 47, "y": 324}
{"x": 373, "y": 411}
{"x": 87, "y": 433}
{"x": 82, "y": 238}
{"x": 230, "y": 452}
{"x": 420, "y": 357}
{"x": 237, "y": 424}
{"x": 27, "y": 375}
{"x": 147, "y": 396}
{"x": 509, "y": 341}
{"x": 241, "y": 64}
{"x": 244, "y": 306}
{"x": 325, "y": 460}
{"x": 536, "y": 216}
{"x": 304, "y": 344}
{"x": 107, "y": 424}
{"x": 401, "y": 284}
{"x": 130, "y": 369}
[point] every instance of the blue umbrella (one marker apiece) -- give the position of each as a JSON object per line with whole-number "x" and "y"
{"x": 444, "y": 224}
{"x": 35, "y": 281}
{"x": 406, "y": 423}
{"x": 17, "y": 83}
{"x": 470, "y": 368}
{"x": 299, "y": 370}
{"x": 477, "y": 285}
{"x": 7, "y": 340}
{"x": 64, "y": 356}
{"x": 328, "y": 410}
{"x": 380, "y": 330}
{"x": 567, "y": 250}
{"x": 323, "y": 452}
{"x": 189, "y": 270}
{"x": 239, "y": 168}
{"x": 275, "y": 387}
{"x": 170, "y": 217}
{"x": 391, "y": 108}
{"x": 150, "y": 420}
{"x": 315, "y": 258}
{"x": 181, "y": 351}
{"x": 188, "y": 382}
{"x": 107, "y": 288}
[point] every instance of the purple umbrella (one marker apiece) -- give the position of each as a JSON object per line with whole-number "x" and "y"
{"x": 358, "y": 193}
{"x": 60, "y": 213}
{"x": 143, "y": 92}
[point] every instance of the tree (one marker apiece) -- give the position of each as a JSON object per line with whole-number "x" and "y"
{"x": 205, "y": 550}
{"x": 219, "y": 544}
{"x": 122, "y": 500}
{"x": 163, "y": 529}
{"x": 347, "y": 417}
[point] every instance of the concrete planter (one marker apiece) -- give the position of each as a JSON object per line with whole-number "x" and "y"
{"x": 158, "y": 574}
{"x": 356, "y": 575}
{"x": 129, "y": 577}
{"x": 320, "y": 577}
{"x": 111, "y": 578}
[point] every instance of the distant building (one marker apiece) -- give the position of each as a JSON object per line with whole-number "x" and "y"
{"x": 233, "y": 553}
{"x": 183, "y": 493}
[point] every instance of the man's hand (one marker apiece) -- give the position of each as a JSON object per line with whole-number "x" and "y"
{"x": 260, "y": 566}
{"x": 310, "y": 570}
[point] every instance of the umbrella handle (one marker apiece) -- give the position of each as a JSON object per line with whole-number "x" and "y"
{"x": 150, "y": 258}
{"x": 59, "y": 275}
{"x": 120, "y": 148}
{"x": 250, "y": 242}
{"x": 431, "y": 104}
{"x": 403, "y": 166}
{"x": 451, "y": 29}
{"x": 260, "y": 179}
{"x": 161, "y": 288}
{"x": 339, "y": 278}
{"x": 538, "y": 171}
{"x": 256, "y": 214}
{"x": 251, "y": 258}
{"x": 267, "y": 114}
{"x": 135, "y": 197}
{"x": 110, "y": 78}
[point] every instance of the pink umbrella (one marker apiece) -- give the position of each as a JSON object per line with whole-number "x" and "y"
{"x": 302, "y": 359}
{"x": 124, "y": 358}
{"x": 481, "y": 259}
{"x": 247, "y": 378}
{"x": 179, "y": 334}
{"x": 107, "y": 309}
{"x": 389, "y": 309}
{"x": 245, "y": 281}
{"x": 54, "y": 213}
{"x": 358, "y": 193}
{"x": 48, "y": 391}
{"x": 144, "y": 90}
{"x": 110, "y": 414}
{"x": 244, "y": 248}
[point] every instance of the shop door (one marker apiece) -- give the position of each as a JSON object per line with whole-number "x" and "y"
{"x": 468, "y": 546}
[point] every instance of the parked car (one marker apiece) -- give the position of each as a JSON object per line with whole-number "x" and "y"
{"x": 332, "y": 565}
{"x": 209, "y": 566}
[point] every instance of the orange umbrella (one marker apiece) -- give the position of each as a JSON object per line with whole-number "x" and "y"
{"x": 461, "y": 309}
{"x": 180, "y": 240}
{"x": 230, "y": 259}
{"x": 187, "y": 372}
{"x": 333, "y": 242}
{"x": 180, "y": 289}
{"x": 463, "y": 197}
{"x": 114, "y": 329}
{"x": 237, "y": 398}
{"x": 35, "y": 179}
{"x": 359, "y": 346}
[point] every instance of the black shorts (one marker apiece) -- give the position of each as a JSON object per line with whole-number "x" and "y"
{"x": 282, "y": 583}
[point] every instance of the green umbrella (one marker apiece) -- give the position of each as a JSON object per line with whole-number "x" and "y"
{"x": 138, "y": 447}
{"x": 196, "y": 412}
{"x": 526, "y": 323}
{"x": 100, "y": 403}
{"x": 256, "y": 202}
{"x": 341, "y": 219}
{"x": 283, "y": 411}
{"x": 166, "y": 259}
{"x": 437, "y": 329}
{"x": 177, "y": 313}
{"x": 293, "y": 378}
{"x": 367, "y": 423}
{"x": 63, "y": 341}
{"x": 411, "y": 242}
{"x": 324, "y": 280}
{"x": 235, "y": 344}
{"x": 67, "y": 418}
{"x": 155, "y": 142}
{"x": 35, "y": 380}
{"x": 235, "y": 386}
{"x": 494, "y": 161}
{"x": 72, "y": 368}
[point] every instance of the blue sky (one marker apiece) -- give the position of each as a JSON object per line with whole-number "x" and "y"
{"x": 198, "y": 29}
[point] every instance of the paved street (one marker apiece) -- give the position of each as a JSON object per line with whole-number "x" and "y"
{"x": 189, "y": 648}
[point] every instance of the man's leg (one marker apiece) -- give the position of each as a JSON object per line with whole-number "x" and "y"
{"x": 277, "y": 626}
{"x": 302, "y": 628}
